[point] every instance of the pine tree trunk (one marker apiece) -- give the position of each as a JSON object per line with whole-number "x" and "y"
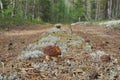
{"x": 109, "y": 9}
{"x": 13, "y": 7}
{"x": 26, "y": 9}
{"x": 33, "y": 14}
{"x": 1, "y": 5}
{"x": 98, "y": 14}
{"x": 117, "y": 10}
{"x": 88, "y": 9}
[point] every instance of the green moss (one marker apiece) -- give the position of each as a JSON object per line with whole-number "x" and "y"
{"x": 58, "y": 34}
{"x": 64, "y": 37}
{"x": 84, "y": 68}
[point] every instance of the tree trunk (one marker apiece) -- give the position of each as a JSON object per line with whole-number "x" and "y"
{"x": 97, "y": 10}
{"x": 117, "y": 9}
{"x": 109, "y": 9}
{"x": 13, "y": 7}
{"x": 26, "y": 9}
{"x": 33, "y": 14}
{"x": 1, "y": 5}
{"x": 88, "y": 2}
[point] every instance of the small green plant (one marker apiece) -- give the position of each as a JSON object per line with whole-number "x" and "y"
{"x": 84, "y": 68}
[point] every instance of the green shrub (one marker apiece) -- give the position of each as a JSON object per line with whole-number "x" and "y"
{"x": 10, "y": 22}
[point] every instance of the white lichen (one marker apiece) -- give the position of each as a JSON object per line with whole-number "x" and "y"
{"x": 96, "y": 55}
{"x": 30, "y": 54}
{"x": 110, "y": 23}
{"x": 49, "y": 40}
{"x": 12, "y": 77}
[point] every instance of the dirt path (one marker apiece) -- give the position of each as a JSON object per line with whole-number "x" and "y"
{"x": 14, "y": 41}
{"x": 24, "y": 32}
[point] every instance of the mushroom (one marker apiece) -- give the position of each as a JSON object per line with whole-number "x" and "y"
{"x": 105, "y": 58}
{"x": 52, "y": 52}
{"x": 58, "y": 26}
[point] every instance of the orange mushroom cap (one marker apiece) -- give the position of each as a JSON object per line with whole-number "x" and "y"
{"x": 52, "y": 50}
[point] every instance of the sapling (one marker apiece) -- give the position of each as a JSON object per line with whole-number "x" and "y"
{"x": 70, "y": 27}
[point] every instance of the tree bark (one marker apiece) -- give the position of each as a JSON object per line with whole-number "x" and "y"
{"x": 88, "y": 2}
{"x": 97, "y": 11}
{"x": 1, "y": 5}
{"x": 109, "y": 9}
{"x": 26, "y": 9}
{"x": 33, "y": 14}
{"x": 13, "y": 7}
{"x": 117, "y": 9}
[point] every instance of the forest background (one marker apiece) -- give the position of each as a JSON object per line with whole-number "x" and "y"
{"x": 17, "y": 12}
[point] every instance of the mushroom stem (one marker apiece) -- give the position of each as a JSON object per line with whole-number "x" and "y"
{"x": 55, "y": 58}
{"x": 47, "y": 57}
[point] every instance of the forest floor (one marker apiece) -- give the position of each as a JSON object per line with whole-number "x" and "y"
{"x": 19, "y": 38}
{"x": 103, "y": 38}
{"x": 12, "y": 42}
